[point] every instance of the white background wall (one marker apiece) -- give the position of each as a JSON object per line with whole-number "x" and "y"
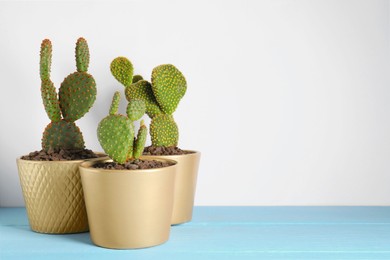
{"x": 288, "y": 101}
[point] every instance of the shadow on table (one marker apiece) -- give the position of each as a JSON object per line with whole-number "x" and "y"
{"x": 83, "y": 238}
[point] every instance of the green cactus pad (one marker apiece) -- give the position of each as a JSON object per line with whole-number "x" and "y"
{"x": 141, "y": 140}
{"x": 169, "y": 86}
{"x": 45, "y": 62}
{"x": 164, "y": 131}
{"x": 143, "y": 90}
{"x": 82, "y": 55}
{"x": 137, "y": 78}
{"x": 50, "y": 100}
{"x": 115, "y": 103}
{"x": 62, "y": 135}
{"x": 116, "y": 136}
{"x": 135, "y": 109}
{"x": 77, "y": 95}
{"x": 122, "y": 70}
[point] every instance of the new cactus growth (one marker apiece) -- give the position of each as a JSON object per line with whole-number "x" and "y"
{"x": 76, "y": 96}
{"x": 116, "y": 132}
{"x": 161, "y": 97}
{"x": 137, "y": 78}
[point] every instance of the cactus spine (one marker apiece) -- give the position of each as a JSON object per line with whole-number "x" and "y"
{"x": 161, "y": 97}
{"x": 116, "y": 132}
{"x": 75, "y": 97}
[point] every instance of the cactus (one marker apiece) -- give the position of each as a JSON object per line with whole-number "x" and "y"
{"x": 161, "y": 97}
{"x": 169, "y": 86}
{"x": 143, "y": 90}
{"x": 116, "y": 132}
{"x": 82, "y": 55}
{"x": 139, "y": 143}
{"x": 50, "y": 100}
{"x": 164, "y": 131}
{"x": 122, "y": 69}
{"x": 76, "y": 96}
{"x": 135, "y": 109}
{"x": 137, "y": 78}
{"x": 62, "y": 134}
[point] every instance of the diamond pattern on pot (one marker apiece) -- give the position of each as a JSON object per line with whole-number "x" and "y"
{"x": 53, "y": 195}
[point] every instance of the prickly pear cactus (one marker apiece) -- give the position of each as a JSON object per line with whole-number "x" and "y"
{"x": 116, "y": 135}
{"x": 122, "y": 70}
{"x": 143, "y": 90}
{"x": 50, "y": 100}
{"x": 116, "y": 132}
{"x": 161, "y": 97}
{"x": 45, "y": 61}
{"x": 137, "y": 78}
{"x": 164, "y": 131}
{"x": 135, "y": 109}
{"x": 139, "y": 143}
{"x": 82, "y": 55}
{"x": 115, "y": 103}
{"x": 169, "y": 86}
{"x": 62, "y": 135}
{"x": 75, "y": 97}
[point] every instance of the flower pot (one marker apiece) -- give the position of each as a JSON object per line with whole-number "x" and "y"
{"x": 128, "y": 208}
{"x": 185, "y": 184}
{"x": 53, "y": 196}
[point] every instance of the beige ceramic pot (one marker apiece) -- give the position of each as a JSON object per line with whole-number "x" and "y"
{"x": 53, "y": 196}
{"x": 185, "y": 185}
{"x": 128, "y": 208}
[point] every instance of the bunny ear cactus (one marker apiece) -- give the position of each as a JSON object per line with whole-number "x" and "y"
{"x": 137, "y": 78}
{"x": 78, "y": 91}
{"x": 135, "y": 109}
{"x": 164, "y": 131}
{"x": 169, "y": 86}
{"x": 82, "y": 55}
{"x": 139, "y": 143}
{"x": 45, "y": 61}
{"x": 143, "y": 90}
{"x": 48, "y": 91}
{"x": 116, "y": 132}
{"x": 76, "y": 96}
{"x": 161, "y": 97}
{"x": 122, "y": 70}
{"x": 62, "y": 135}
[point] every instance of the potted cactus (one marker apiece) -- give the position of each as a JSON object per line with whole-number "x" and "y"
{"x": 136, "y": 195}
{"x": 50, "y": 178}
{"x": 162, "y": 97}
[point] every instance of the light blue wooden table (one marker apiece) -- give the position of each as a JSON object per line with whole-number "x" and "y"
{"x": 225, "y": 233}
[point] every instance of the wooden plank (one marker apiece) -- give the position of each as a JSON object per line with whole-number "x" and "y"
{"x": 226, "y": 233}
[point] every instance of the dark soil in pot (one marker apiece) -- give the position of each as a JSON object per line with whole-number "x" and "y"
{"x": 60, "y": 155}
{"x": 133, "y": 165}
{"x": 161, "y": 150}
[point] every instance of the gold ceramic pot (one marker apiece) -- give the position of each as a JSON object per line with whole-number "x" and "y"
{"x": 128, "y": 208}
{"x": 53, "y": 196}
{"x": 185, "y": 185}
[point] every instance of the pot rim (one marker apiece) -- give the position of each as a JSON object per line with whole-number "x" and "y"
{"x": 87, "y": 165}
{"x": 100, "y": 154}
{"x": 193, "y": 152}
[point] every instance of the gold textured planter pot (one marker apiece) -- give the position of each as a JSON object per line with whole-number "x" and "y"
{"x": 53, "y": 196}
{"x": 128, "y": 209}
{"x": 185, "y": 185}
